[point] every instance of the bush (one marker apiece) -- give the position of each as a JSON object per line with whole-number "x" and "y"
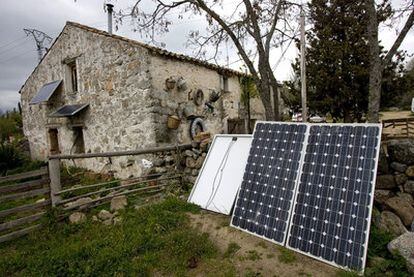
{"x": 10, "y": 157}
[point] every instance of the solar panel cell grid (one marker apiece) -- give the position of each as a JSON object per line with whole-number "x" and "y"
{"x": 331, "y": 215}
{"x": 266, "y": 194}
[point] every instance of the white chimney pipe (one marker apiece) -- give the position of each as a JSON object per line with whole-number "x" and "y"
{"x": 110, "y": 9}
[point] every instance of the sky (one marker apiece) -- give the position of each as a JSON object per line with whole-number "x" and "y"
{"x": 18, "y": 56}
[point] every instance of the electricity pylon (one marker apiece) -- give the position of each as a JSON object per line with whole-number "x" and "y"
{"x": 40, "y": 39}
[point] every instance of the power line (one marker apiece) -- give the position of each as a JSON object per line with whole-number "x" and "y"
{"x": 17, "y": 56}
{"x": 11, "y": 42}
{"x": 14, "y": 48}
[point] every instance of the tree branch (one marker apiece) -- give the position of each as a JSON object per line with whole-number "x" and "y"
{"x": 408, "y": 24}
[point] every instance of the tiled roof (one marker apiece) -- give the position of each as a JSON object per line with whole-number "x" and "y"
{"x": 160, "y": 51}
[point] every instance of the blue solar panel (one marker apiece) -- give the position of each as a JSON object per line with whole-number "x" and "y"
{"x": 310, "y": 187}
{"x": 69, "y": 110}
{"x": 331, "y": 217}
{"x": 45, "y": 92}
{"x": 266, "y": 194}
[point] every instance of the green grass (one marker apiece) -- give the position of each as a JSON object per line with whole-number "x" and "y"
{"x": 157, "y": 238}
{"x": 286, "y": 256}
{"x": 231, "y": 250}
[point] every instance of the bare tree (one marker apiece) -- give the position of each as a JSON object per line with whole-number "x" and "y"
{"x": 377, "y": 63}
{"x": 251, "y": 26}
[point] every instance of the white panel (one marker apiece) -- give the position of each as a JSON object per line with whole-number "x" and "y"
{"x": 222, "y": 173}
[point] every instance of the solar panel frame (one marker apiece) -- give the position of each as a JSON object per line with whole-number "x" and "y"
{"x": 283, "y": 242}
{"x": 236, "y": 138}
{"x": 376, "y": 159}
{"x": 45, "y": 92}
{"x": 77, "y": 109}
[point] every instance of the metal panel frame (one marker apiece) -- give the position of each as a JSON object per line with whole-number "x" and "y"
{"x": 208, "y": 156}
{"x": 296, "y": 187}
{"x": 59, "y": 82}
{"x": 54, "y": 114}
{"x": 371, "y": 200}
{"x": 294, "y": 190}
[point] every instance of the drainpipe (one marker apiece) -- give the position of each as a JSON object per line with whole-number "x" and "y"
{"x": 110, "y": 9}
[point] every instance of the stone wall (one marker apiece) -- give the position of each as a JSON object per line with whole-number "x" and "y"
{"x": 113, "y": 77}
{"x": 394, "y": 188}
{"x": 124, "y": 85}
{"x": 178, "y": 101}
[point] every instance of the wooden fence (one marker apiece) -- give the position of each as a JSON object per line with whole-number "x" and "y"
{"x": 398, "y": 128}
{"x": 104, "y": 192}
{"x": 20, "y": 192}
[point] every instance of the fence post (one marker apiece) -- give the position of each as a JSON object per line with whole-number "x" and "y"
{"x": 55, "y": 186}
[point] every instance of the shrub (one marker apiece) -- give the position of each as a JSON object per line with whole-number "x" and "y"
{"x": 10, "y": 157}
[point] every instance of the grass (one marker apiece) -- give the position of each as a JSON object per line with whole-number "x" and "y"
{"x": 154, "y": 239}
{"x": 286, "y": 256}
{"x": 231, "y": 250}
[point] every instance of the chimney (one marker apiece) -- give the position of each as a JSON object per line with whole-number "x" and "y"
{"x": 110, "y": 9}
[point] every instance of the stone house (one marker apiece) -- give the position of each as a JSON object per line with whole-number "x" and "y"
{"x": 97, "y": 92}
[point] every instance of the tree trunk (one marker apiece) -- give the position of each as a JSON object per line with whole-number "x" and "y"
{"x": 264, "y": 91}
{"x": 375, "y": 74}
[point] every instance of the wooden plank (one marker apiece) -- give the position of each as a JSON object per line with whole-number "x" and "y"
{"x": 25, "y": 194}
{"x": 115, "y": 188}
{"x": 19, "y": 233}
{"x": 24, "y": 208}
{"x": 24, "y": 175}
{"x": 91, "y": 203}
{"x": 23, "y": 186}
{"x": 106, "y": 183}
{"x": 123, "y": 153}
{"x": 396, "y": 120}
{"x": 55, "y": 184}
{"x": 17, "y": 222}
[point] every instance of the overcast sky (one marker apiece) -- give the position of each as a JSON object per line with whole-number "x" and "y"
{"x": 18, "y": 56}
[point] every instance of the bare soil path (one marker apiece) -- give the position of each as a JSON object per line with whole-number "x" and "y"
{"x": 246, "y": 255}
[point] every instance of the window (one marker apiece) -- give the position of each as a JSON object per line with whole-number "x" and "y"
{"x": 54, "y": 141}
{"x": 78, "y": 141}
{"x": 224, "y": 83}
{"x": 74, "y": 76}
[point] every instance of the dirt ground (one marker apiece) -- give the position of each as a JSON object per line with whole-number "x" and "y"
{"x": 255, "y": 257}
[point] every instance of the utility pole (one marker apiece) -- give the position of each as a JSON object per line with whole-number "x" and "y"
{"x": 303, "y": 65}
{"x": 40, "y": 38}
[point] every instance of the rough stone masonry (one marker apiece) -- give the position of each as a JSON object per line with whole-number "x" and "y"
{"x": 131, "y": 90}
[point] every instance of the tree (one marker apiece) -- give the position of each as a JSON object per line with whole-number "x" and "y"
{"x": 252, "y": 26}
{"x": 338, "y": 60}
{"x": 249, "y": 91}
{"x": 378, "y": 63}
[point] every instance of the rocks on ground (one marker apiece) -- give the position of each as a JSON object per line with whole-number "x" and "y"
{"x": 119, "y": 203}
{"x": 385, "y": 182}
{"x": 77, "y": 218}
{"x": 390, "y": 222}
{"x": 404, "y": 244}
{"x": 401, "y": 151}
{"x": 402, "y": 208}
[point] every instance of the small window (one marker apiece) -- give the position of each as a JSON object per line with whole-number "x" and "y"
{"x": 78, "y": 141}
{"x": 72, "y": 76}
{"x": 54, "y": 141}
{"x": 224, "y": 83}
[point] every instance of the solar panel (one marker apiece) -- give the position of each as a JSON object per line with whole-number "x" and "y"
{"x": 266, "y": 194}
{"x": 45, "y": 92}
{"x": 221, "y": 175}
{"x": 332, "y": 211}
{"x": 69, "y": 110}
